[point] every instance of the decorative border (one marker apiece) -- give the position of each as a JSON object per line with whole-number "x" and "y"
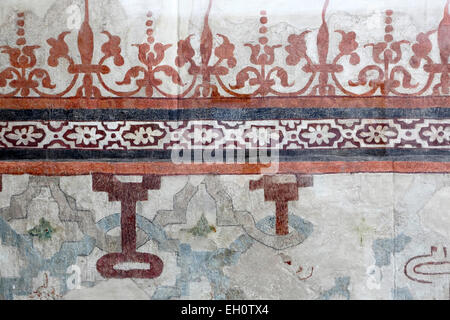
{"x": 341, "y": 102}
{"x": 264, "y": 75}
{"x": 386, "y": 124}
{"x": 321, "y": 134}
{"x": 221, "y": 114}
{"x": 46, "y": 168}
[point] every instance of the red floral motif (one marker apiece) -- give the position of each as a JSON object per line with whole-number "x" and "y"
{"x": 385, "y": 75}
{"x": 22, "y": 76}
{"x": 144, "y": 135}
{"x": 386, "y": 53}
{"x": 262, "y": 55}
{"x": 421, "y": 49}
{"x": 320, "y": 135}
{"x": 297, "y": 49}
{"x": 85, "y": 136}
{"x": 213, "y": 134}
{"x": 437, "y": 134}
{"x": 151, "y": 61}
{"x": 204, "y": 135}
{"x": 348, "y": 45}
{"x": 59, "y": 49}
{"x": 263, "y": 136}
{"x": 110, "y": 49}
{"x": 444, "y": 47}
{"x": 377, "y": 134}
{"x": 225, "y": 52}
{"x": 24, "y": 136}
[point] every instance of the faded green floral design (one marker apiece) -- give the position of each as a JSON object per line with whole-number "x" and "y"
{"x": 43, "y": 230}
{"x": 202, "y": 228}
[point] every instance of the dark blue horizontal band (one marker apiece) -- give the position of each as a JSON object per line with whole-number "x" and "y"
{"x": 433, "y": 155}
{"x": 221, "y": 114}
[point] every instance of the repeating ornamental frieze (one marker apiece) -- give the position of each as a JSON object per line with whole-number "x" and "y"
{"x": 213, "y": 134}
{"x": 385, "y": 73}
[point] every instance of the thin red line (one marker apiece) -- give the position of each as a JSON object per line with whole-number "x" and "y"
{"x": 165, "y": 168}
{"x": 278, "y": 102}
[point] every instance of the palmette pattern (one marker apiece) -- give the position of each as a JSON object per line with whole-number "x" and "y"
{"x": 387, "y": 68}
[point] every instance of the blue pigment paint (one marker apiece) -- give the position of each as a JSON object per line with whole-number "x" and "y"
{"x": 209, "y": 264}
{"x": 56, "y": 266}
{"x": 401, "y": 294}
{"x": 340, "y": 289}
{"x": 303, "y": 227}
{"x": 383, "y": 248}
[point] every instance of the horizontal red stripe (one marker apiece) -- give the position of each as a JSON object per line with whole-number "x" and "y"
{"x": 276, "y": 102}
{"x": 165, "y": 168}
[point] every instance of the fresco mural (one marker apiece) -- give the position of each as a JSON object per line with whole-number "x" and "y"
{"x": 222, "y": 150}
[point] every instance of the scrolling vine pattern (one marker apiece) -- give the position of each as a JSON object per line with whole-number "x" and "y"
{"x": 262, "y": 77}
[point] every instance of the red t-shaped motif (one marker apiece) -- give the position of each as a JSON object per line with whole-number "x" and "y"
{"x": 281, "y": 190}
{"x": 128, "y": 194}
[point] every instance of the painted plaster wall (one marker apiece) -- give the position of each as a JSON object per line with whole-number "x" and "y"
{"x": 352, "y": 234}
{"x": 361, "y": 230}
